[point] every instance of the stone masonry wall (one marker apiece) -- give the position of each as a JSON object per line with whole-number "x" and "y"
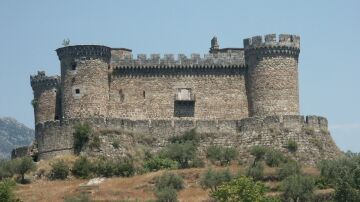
{"x": 153, "y": 97}
{"x": 310, "y": 133}
{"x": 272, "y": 75}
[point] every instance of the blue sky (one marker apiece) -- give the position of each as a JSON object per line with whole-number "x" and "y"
{"x": 329, "y": 69}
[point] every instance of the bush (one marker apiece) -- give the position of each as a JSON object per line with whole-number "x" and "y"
{"x": 213, "y": 179}
{"x": 344, "y": 176}
{"x": 297, "y": 188}
{"x": 169, "y": 180}
{"x": 103, "y": 167}
{"x": 157, "y": 163}
{"x": 274, "y": 158}
{"x": 166, "y": 195}
{"x": 222, "y": 154}
{"x": 289, "y": 168}
{"x": 183, "y": 153}
{"x": 197, "y": 163}
{"x": 258, "y": 152}
{"x": 116, "y": 144}
{"x": 59, "y": 171}
{"x": 82, "y": 168}
{"x": 241, "y": 189}
{"x": 256, "y": 171}
{"x": 22, "y": 166}
{"x": 292, "y": 146}
{"x": 189, "y": 136}
{"x": 124, "y": 167}
{"x": 6, "y": 169}
{"x": 6, "y": 191}
{"x": 81, "y": 136}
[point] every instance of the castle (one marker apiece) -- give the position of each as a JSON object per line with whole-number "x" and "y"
{"x": 243, "y": 96}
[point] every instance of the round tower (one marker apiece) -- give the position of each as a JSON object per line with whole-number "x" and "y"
{"x": 45, "y": 90}
{"x": 272, "y": 74}
{"x": 84, "y": 80}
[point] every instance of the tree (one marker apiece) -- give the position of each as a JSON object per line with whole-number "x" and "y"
{"x": 213, "y": 179}
{"x": 258, "y": 152}
{"x": 24, "y": 165}
{"x": 242, "y": 189}
{"x": 297, "y": 188}
{"x": 183, "y": 153}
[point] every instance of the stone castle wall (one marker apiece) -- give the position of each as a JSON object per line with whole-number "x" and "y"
{"x": 310, "y": 133}
{"x": 218, "y": 95}
{"x": 137, "y": 100}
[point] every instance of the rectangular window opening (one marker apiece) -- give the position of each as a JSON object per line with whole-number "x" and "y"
{"x": 184, "y": 108}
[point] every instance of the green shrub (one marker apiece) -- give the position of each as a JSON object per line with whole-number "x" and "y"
{"x": 116, "y": 144}
{"x": 297, "y": 188}
{"x": 166, "y": 194}
{"x": 157, "y": 163}
{"x": 224, "y": 155}
{"x": 169, "y": 180}
{"x": 256, "y": 171}
{"x": 34, "y": 103}
{"x": 81, "y": 136}
{"x": 289, "y": 168}
{"x": 213, "y": 153}
{"x": 241, "y": 189}
{"x": 6, "y": 191}
{"x": 344, "y": 176}
{"x": 212, "y": 179}
{"x": 189, "y": 136}
{"x": 183, "y": 153}
{"x": 292, "y": 146}
{"x": 345, "y": 192}
{"x": 6, "y": 169}
{"x": 124, "y": 167}
{"x": 82, "y": 168}
{"x": 103, "y": 167}
{"x": 258, "y": 152}
{"x": 23, "y": 165}
{"x": 274, "y": 158}
{"x": 60, "y": 170}
{"x": 197, "y": 163}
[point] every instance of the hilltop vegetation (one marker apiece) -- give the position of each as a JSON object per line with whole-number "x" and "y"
{"x": 178, "y": 172}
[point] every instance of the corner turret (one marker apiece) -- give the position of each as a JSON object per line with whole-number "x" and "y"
{"x": 272, "y": 77}
{"x": 45, "y": 103}
{"x": 84, "y": 80}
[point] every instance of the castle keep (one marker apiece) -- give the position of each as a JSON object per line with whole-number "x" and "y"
{"x": 243, "y": 96}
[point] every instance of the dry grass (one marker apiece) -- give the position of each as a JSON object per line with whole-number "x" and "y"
{"x": 135, "y": 188}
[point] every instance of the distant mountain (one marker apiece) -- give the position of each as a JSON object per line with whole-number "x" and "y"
{"x": 13, "y": 134}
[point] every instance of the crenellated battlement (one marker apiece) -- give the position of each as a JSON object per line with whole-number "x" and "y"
{"x": 286, "y": 44}
{"x": 230, "y": 57}
{"x": 270, "y": 40}
{"x": 87, "y": 51}
{"x": 41, "y": 80}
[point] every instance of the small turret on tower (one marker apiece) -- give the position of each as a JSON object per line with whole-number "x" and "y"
{"x": 272, "y": 77}
{"x": 45, "y": 90}
{"x": 214, "y": 45}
